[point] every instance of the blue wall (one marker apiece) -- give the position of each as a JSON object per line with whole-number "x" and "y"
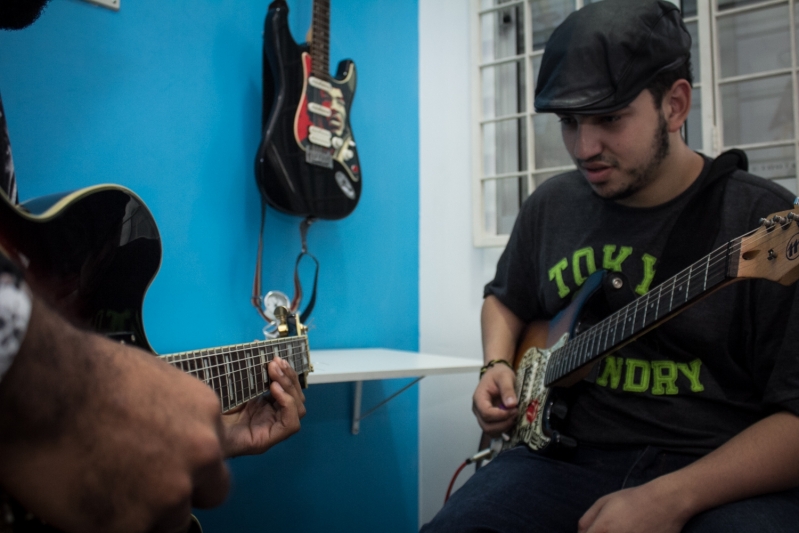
{"x": 164, "y": 98}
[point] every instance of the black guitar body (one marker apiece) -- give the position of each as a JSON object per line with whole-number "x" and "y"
{"x": 91, "y": 253}
{"x": 307, "y": 163}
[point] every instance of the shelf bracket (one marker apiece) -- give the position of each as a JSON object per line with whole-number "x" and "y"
{"x": 356, "y": 405}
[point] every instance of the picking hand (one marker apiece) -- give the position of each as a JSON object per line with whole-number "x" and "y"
{"x": 494, "y": 402}
{"x": 266, "y": 420}
{"x": 105, "y": 437}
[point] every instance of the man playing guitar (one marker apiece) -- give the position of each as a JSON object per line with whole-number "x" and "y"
{"x": 96, "y": 436}
{"x": 693, "y": 427}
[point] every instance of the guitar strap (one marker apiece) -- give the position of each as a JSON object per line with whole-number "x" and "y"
{"x": 257, "y": 294}
{"x": 698, "y": 225}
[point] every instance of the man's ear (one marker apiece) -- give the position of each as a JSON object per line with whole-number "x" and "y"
{"x": 677, "y": 104}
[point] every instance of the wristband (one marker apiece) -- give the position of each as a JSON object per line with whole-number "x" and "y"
{"x": 493, "y": 362}
{"x": 15, "y": 312}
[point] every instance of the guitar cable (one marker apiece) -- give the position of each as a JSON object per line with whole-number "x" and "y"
{"x": 482, "y": 455}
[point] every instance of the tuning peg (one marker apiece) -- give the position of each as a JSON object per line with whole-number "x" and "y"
{"x": 282, "y": 316}
{"x": 780, "y": 220}
{"x": 765, "y": 222}
{"x": 792, "y": 216}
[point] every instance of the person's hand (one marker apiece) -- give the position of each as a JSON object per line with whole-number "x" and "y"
{"x": 100, "y": 437}
{"x": 644, "y": 509}
{"x": 494, "y": 402}
{"x": 268, "y": 419}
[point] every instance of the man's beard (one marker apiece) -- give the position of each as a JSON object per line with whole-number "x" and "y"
{"x": 645, "y": 174}
{"x": 17, "y": 14}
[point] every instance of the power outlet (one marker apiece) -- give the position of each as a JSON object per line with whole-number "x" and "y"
{"x": 110, "y": 4}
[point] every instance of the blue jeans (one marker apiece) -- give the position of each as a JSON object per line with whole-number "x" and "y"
{"x": 520, "y": 491}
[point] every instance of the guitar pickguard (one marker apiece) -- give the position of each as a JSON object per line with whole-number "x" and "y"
{"x": 533, "y": 398}
{"x": 321, "y": 125}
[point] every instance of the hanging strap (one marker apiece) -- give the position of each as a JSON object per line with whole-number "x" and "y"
{"x": 257, "y": 293}
{"x": 256, "y": 284}
{"x": 295, "y": 303}
{"x": 698, "y": 225}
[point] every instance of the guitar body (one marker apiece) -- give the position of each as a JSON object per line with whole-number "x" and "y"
{"x": 307, "y": 163}
{"x": 91, "y": 253}
{"x": 542, "y": 408}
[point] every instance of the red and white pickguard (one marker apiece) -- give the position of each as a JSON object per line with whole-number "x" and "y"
{"x": 321, "y": 123}
{"x": 533, "y": 397}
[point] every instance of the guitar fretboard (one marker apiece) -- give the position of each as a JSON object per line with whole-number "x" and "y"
{"x": 320, "y": 44}
{"x": 238, "y": 373}
{"x": 646, "y": 312}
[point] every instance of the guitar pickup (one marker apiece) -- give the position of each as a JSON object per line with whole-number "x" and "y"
{"x": 320, "y": 136}
{"x": 319, "y": 84}
{"x": 318, "y": 109}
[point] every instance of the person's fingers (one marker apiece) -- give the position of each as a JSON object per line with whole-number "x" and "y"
{"x": 281, "y": 372}
{"x": 288, "y": 409}
{"x": 506, "y": 382}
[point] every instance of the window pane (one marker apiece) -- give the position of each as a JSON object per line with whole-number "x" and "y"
{"x": 546, "y": 16}
{"x": 693, "y": 126}
{"x": 773, "y": 163}
{"x": 504, "y": 147}
{"x": 688, "y": 8}
{"x": 755, "y": 41}
{"x": 757, "y": 111}
{"x": 503, "y": 199}
{"x": 502, "y": 33}
{"x": 503, "y": 89}
{"x": 538, "y": 179}
{"x": 536, "y": 68}
{"x": 549, "y": 149}
{"x": 486, "y": 4}
{"x": 696, "y": 67}
{"x": 729, "y": 4}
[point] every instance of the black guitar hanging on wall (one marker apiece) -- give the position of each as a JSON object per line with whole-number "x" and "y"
{"x": 307, "y": 163}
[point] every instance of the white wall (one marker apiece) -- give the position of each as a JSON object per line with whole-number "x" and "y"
{"x": 451, "y": 272}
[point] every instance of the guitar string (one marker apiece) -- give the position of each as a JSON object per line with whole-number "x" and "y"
{"x": 250, "y": 370}
{"x": 566, "y": 354}
{"x": 232, "y": 350}
{"x": 722, "y": 256}
{"x": 252, "y": 358}
{"x": 711, "y": 273}
{"x": 247, "y": 375}
{"x": 608, "y": 324}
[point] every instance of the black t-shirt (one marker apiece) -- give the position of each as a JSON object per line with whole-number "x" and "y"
{"x": 699, "y": 379}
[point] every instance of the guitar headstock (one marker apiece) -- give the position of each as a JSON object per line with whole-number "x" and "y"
{"x": 772, "y": 251}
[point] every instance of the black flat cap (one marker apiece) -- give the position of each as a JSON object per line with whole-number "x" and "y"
{"x": 602, "y": 56}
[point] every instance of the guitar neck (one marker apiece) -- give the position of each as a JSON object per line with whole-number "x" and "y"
{"x": 237, "y": 373}
{"x": 647, "y": 312}
{"x": 320, "y": 43}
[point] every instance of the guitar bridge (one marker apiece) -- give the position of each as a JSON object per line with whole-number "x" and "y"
{"x": 321, "y": 157}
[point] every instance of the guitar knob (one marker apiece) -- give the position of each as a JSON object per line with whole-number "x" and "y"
{"x": 337, "y": 142}
{"x": 559, "y": 409}
{"x": 563, "y": 440}
{"x": 348, "y": 154}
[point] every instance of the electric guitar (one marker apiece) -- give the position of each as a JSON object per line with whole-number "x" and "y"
{"x": 557, "y": 354}
{"x": 307, "y": 163}
{"x": 92, "y": 254}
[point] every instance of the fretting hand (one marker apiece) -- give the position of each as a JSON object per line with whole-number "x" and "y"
{"x": 268, "y": 419}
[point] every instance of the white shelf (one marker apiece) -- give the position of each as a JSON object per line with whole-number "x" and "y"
{"x": 364, "y": 364}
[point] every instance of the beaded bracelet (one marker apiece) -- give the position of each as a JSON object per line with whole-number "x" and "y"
{"x": 492, "y": 363}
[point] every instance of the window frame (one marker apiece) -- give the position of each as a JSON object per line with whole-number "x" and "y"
{"x": 709, "y": 86}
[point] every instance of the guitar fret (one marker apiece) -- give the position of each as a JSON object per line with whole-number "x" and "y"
{"x": 647, "y": 310}
{"x": 238, "y": 373}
